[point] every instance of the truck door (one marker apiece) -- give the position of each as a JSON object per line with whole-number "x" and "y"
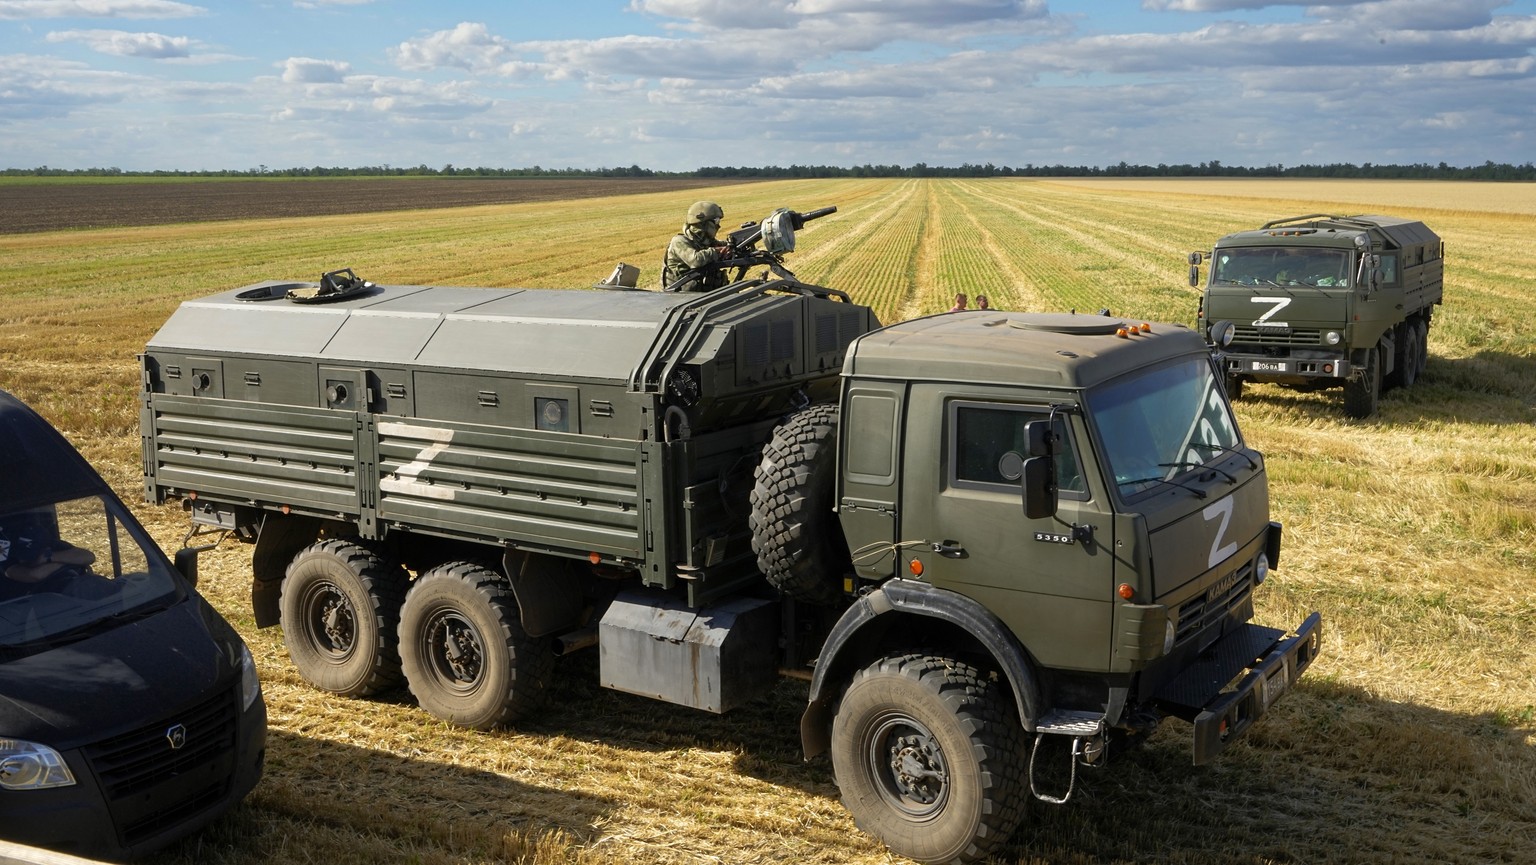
{"x": 1049, "y": 580}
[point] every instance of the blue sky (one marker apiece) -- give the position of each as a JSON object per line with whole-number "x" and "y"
{"x": 679, "y": 84}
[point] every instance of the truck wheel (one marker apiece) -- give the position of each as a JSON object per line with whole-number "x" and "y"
{"x": 1423, "y": 337}
{"x": 466, "y": 657}
{"x": 1362, "y": 393}
{"x": 1408, "y": 371}
{"x": 797, "y": 538}
{"x": 340, "y": 607}
{"x": 929, "y": 758}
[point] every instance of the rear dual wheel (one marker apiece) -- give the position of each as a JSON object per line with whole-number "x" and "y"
{"x": 465, "y": 654}
{"x": 340, "y": 607}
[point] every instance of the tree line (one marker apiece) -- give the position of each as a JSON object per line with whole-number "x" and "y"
{"x": 1416, "y": 171}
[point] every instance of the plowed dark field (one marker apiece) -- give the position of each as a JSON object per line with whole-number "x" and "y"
{"x": 55, "y": 206}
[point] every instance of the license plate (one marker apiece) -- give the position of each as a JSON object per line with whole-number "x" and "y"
{"x": 1274, "y": 685}
{"x": 1269, "y": 366}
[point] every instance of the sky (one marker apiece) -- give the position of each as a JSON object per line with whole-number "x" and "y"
{"x": 674, "y": 85}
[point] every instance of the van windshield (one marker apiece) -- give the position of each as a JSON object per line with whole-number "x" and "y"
{"x": 75, "y": 567}
{"x": 1281, "y": 265}
{"x": 1163, "y": 422}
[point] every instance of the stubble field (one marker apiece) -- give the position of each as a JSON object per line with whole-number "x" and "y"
{"x": 1413, "y": 738}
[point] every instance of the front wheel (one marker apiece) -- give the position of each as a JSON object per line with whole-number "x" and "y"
{"x": 929, "y": 758}
{"x": 466, "y": 656}
{"x": 1362, "y": 393}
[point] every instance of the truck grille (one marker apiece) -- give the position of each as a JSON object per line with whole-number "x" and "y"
{"x": 151, "y": 785}
{"x": 1247, "y": 335}
{"x": 1215, "y": 603}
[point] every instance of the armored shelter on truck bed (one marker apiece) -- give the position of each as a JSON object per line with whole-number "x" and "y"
{"x": 601, "y": 425}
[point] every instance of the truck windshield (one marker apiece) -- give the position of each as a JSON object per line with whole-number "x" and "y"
{"x": 1162, "y": 422}
{"x": 1281, "y": 265}
{"x": 72, "y": 568}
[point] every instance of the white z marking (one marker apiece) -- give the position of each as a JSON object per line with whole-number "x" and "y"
{"x": 1279, "y": 302}
{"x": 1221, "y": 509}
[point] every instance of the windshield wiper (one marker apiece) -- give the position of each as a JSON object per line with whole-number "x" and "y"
{"x": 1225, "y": 449}
{"x": 1199, "y": 493}
{"x": 1197, "y": 466}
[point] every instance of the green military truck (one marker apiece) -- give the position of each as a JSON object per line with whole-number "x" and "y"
{"x": 1324, "y": 301}
{"x": 971, "y": 533}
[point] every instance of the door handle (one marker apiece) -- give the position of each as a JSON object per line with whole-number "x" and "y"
{"x": 950, "y": 549}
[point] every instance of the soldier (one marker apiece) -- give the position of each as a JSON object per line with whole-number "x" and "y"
{"x": 695, "y": 248}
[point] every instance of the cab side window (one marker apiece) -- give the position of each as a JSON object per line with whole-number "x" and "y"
{"x": 980, "y": 435}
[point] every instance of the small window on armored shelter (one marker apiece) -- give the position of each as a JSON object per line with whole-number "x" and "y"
{"x": 552, "y": 415}
{"x": 981, "y": 434}
{"x": 555, "y": 408}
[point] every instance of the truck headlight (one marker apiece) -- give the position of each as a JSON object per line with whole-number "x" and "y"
{"x": 1260, "y": 568}
{"x": 1169, "y": 632}
{"x": 30, "y": 766}
{"x": 1333, "y": 337}
{"x": 250, "y": 684}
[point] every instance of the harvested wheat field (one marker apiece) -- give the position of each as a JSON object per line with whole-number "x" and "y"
{"x": 1412, "y": 738}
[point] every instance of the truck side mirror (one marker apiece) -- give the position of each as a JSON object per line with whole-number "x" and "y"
{"x": 1039, "y": 485}
{"x": 1038, "y": 481}
{"x": 1194, "y": 276}
{"x": 1195, "y": 259}
{"x": 186, "y": 563}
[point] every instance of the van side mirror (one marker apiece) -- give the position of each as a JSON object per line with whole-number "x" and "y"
{"x": 186, "y": 563}
{"x": 1038, "y": 481}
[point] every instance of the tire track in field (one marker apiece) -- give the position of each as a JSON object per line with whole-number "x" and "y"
{"x": 827, "y": 256}
{"x": 838, "y": 258}
{"x": 1022, "y": 292}
{"x": 925, "y": 263}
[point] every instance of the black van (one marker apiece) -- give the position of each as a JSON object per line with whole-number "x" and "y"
{"x": 130, "y": 711}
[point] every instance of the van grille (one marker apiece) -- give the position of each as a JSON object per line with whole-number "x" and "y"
{"x": 151, "y": 786}
{"x": 1215, "y": 603}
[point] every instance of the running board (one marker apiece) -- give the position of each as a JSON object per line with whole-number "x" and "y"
{"x": 1087, "y": 732}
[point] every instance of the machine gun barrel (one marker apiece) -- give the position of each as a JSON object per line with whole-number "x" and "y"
{"x": 800, "y": 219}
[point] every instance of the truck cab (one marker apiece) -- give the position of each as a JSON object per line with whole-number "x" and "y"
{"x": 1134, "y": 556}
{"x": 130, "y": 711}
{"x": 1324, "y": 301}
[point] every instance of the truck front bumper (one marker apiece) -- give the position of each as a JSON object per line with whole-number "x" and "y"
{"x": 1264, "y": 366}
{"x": 1239, "y": 678}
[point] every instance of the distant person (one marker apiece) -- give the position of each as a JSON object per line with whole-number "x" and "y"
{"x": 982, "y": 303}
{"x": 695, "y": 251}
{"x": 959, "y": 303}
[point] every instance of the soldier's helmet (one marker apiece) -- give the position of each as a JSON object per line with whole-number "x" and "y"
{"x": 706, "y": 215}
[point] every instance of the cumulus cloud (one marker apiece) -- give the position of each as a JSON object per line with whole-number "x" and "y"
{"x": 156, "y": 46}
{"x": 469, "y": 46}
{"x": 16, "y": 10}
{"x": 305, "y": 70}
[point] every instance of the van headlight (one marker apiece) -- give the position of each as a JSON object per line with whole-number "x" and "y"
{"x": 30, "y": 766}
{"x": 250, "y": 683}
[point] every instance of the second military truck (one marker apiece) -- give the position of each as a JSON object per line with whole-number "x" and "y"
{"x": 1324, "y": 301}
{"x": 971, "y": 533}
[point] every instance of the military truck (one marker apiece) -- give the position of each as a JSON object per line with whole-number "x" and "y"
{"x": 983, "y": 538}
{"x": 1323, "y": 301}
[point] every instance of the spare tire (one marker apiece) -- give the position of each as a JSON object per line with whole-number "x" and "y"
{"x": 795, "y": 533}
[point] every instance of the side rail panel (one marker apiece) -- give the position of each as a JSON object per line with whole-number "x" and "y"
{"x": 269, "y": 456}
{"x": 544, "y": 490}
